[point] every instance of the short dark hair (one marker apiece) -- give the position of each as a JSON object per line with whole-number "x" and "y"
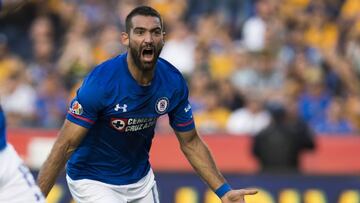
{"x": 143, "y": 11}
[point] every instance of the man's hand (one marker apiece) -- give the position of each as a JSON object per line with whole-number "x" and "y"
{"x": 237, "y": 196}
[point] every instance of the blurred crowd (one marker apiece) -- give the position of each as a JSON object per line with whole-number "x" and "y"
{"x": 245, "y": 61}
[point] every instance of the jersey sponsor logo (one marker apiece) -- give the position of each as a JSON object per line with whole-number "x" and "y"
{"x": 76, "y": 108}
{"x": 123, "y": 108}
{"x": 132, "y": 124}
{"x": 119, "y": 123}
{"x": 162, "y": 105}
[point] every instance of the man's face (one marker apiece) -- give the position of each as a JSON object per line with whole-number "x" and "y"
{"x": 146, "y": 39}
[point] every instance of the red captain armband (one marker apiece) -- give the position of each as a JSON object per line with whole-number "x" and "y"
{"x": 222, "y": 190}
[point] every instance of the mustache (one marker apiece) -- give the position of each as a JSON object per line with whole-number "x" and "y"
{"x": 148, "y": 46}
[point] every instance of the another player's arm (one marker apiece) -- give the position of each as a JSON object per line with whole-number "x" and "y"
{"x": 199, "y": 156}
{"x": 68, "y": 140}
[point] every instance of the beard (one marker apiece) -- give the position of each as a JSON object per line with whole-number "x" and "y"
{"x": 137, "y": 54}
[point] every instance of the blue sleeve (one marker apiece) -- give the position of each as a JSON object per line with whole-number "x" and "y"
{"x": 84, "y": 108}
{"x": 2, "y": 130}
{"x": 181, "y": 118}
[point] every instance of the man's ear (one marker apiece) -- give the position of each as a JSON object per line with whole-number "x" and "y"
{"x": 164, "y": 37}
{"x": 125, "y": 38}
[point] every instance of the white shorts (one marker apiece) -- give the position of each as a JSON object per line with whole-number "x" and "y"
{"x": 17, "y": 184}
{"x": 86, "y": 191}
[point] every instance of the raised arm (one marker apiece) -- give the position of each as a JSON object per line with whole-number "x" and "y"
{"x": 199, "y": 156}
{"x": 68, "y": 139}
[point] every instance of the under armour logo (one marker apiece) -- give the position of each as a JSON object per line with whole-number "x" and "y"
{"x": 118, "y": 107}
{"x": 187, "y": 108}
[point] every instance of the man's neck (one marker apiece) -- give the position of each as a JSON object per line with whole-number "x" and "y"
{"x": 142, "y": 77}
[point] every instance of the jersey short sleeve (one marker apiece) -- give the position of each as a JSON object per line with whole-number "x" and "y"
{"x": 84, "y": 108}
{"x": 2, "y": 130}
{"x": 181, "y": 118}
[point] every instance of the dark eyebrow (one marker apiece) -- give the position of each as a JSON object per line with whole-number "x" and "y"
{"x": 151, "y": 30}
{"x": 157, "y": 28}
{"x": 139, "y": 28}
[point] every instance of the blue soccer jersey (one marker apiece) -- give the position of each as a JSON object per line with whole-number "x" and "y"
{"x": 2, "y": 130}
{"x": 121, "y": 116}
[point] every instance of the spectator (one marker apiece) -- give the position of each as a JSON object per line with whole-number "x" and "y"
{"x": 250, "y": 119}
{"x": 198, "y": 84}
{"x": 269, "y": 79}
{"x": 214, "y": 116}
{"x": 321, "y": 32}
{"x": 279, "y": 145}
{"x": 18, "y": 97}
{"x": 353, "y": 110}
{"x": 230, "y": 97}
{"x": 179, "y": 48}
{"x": 315, "y": 99}
{"x": 51, "y": 103}
{"x": 7, "y": 60}
{"x": 172, "y": 10}
{"x": 43, "y": 51}
{"x": 256, "y": 27}
{"x": 334, "y": 122}
{"x": 76, "y": 58}
{"x": 107, "y": 45}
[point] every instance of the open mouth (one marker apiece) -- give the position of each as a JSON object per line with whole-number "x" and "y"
{"x": 148, "y": 54}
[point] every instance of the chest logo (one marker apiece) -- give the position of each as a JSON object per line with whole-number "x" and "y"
{"x": 123, "y": 108}
{"x": 162, "y": 105}
{"x": 119, "y": 124}
{"x": 132, "y": 124}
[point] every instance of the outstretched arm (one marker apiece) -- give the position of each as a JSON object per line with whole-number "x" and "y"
{"x": 69, "y": 138}
{"x": 199, "y": 156}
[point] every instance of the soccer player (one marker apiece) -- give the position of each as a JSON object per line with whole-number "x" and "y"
{"x": 16, "y": 182}
{"x": 109, "y": 128}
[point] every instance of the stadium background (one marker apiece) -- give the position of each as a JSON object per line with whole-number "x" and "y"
{"x": 241, "y": 59}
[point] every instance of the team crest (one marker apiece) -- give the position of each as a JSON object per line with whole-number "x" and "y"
{"x": 76, "y": 108}
{"x": 118, "y": 124}
{"x": 162, "y": 105}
